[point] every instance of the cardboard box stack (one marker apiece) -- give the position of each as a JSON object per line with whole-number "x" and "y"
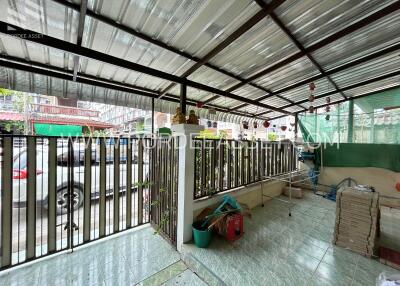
{"x": 356, "y": 219}
{"x": 389, "y": 228}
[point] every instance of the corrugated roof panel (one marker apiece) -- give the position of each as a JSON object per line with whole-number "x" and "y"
{"x": 260, "y": 47}
{"x": 303, "y": 92}
{"x": 193, "y": 26}
{"x": 379, "y": 85}
{"x": 275, "y": 101}
{"x": 294, "y": 108}
{"x": 47, "y": 17}
{"x": 212, "y": 78}
{"x": 369, "y": 70}
{"x": 226, "y": 102}
{"x": 321, "y": 101}
{"x": 310, "y": 21}
{"x": 104, "y": 38}
{"x": 273, "y": 114}
{"x": 18, "y": 48}
{"x": 253, "y": 109}
{"x": 374, "y": 37}
{"x": 249, "y": 92}
{"x": 287, "y": 75}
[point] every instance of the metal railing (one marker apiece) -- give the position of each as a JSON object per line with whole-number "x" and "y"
{"x": 164, "y": 190}
{"x": 57, "y": 194}
{"x": 221, "y": 165}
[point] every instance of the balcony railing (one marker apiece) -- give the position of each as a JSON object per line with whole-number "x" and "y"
{"x": 222, "y": 165}
{"x": 58, "y": 193}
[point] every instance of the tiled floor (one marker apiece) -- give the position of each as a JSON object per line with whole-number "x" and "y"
{"x": 135, "y": 257}
{"x": 280, "y": 250}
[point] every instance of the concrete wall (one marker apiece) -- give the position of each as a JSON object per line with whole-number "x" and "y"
{"x": 248, "y": 195}
{"x": 383, "y": 180}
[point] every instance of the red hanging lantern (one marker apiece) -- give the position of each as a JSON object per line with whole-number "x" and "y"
{"x": 283, "y": 127}
{"x": 245, "y": 125}
{"x": 266, "y": 124}
{"x": 199, "y": 104}
{"x": 311, "y": 86}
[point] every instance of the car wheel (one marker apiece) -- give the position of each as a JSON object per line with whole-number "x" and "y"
{"x": 63, "y": 199}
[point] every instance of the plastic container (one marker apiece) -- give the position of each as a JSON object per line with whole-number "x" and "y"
{"x": 202, "y": 237}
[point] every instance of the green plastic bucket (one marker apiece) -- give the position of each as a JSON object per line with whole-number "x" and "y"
{"x": 202, "y": 237}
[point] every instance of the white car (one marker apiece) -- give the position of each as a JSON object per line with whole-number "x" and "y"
{"x": 20, "y": 178}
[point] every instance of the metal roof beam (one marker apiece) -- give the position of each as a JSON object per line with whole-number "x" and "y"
{"x": 360, "y": 84}
{"x": 81, "y": 26}
{"x": 264, "y": 12}
{"x": 55, "y": 72}
{"x": 344, "y": 100}
{"x": 156, "y": 42}
{"x": 326, "y": 41}
{"x": 72, "y": 48}
{"x": 280, "y": 24}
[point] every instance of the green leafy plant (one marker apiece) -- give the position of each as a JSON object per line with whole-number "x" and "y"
{"x": 272, "y": 137}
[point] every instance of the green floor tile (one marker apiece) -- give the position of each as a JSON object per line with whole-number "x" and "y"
{"x": 165, "y": 274}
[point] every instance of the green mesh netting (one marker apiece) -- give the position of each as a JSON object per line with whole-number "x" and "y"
{"x": 373, "y": 119}
{"x": 368, "y": 132}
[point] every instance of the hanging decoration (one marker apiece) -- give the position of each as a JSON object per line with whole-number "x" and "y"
{"x": 266, "y": 124}
{"x": 215, "y": 124}
{"x": 311, "y": 96}
{"x": 209, "y": 123}
{"x": 283, "y": 127}
{"x": 292, "y": 124}
{"x": 328, "y": 108}
{"x": 245, "y": 125}
{"x": 199, "y": 104}
{"x": 255, "y": 125}
{"x": 311, "y": 87}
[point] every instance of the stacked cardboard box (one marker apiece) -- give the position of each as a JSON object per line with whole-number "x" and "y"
{"x": 389, "y": 228}
{"x": 356, "y": 220}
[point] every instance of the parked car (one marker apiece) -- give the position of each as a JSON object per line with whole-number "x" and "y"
{"x": 20, "y": 175}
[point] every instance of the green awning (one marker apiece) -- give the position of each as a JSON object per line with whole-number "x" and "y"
{"x": 57, "y": 130}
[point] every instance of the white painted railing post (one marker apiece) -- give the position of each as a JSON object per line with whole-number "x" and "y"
{"x": 185, "y": 180}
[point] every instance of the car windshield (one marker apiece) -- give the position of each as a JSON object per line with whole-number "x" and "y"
{"x": 20, "y": 161}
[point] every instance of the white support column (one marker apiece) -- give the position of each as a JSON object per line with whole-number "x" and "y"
{"x": 185, "y": 180}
